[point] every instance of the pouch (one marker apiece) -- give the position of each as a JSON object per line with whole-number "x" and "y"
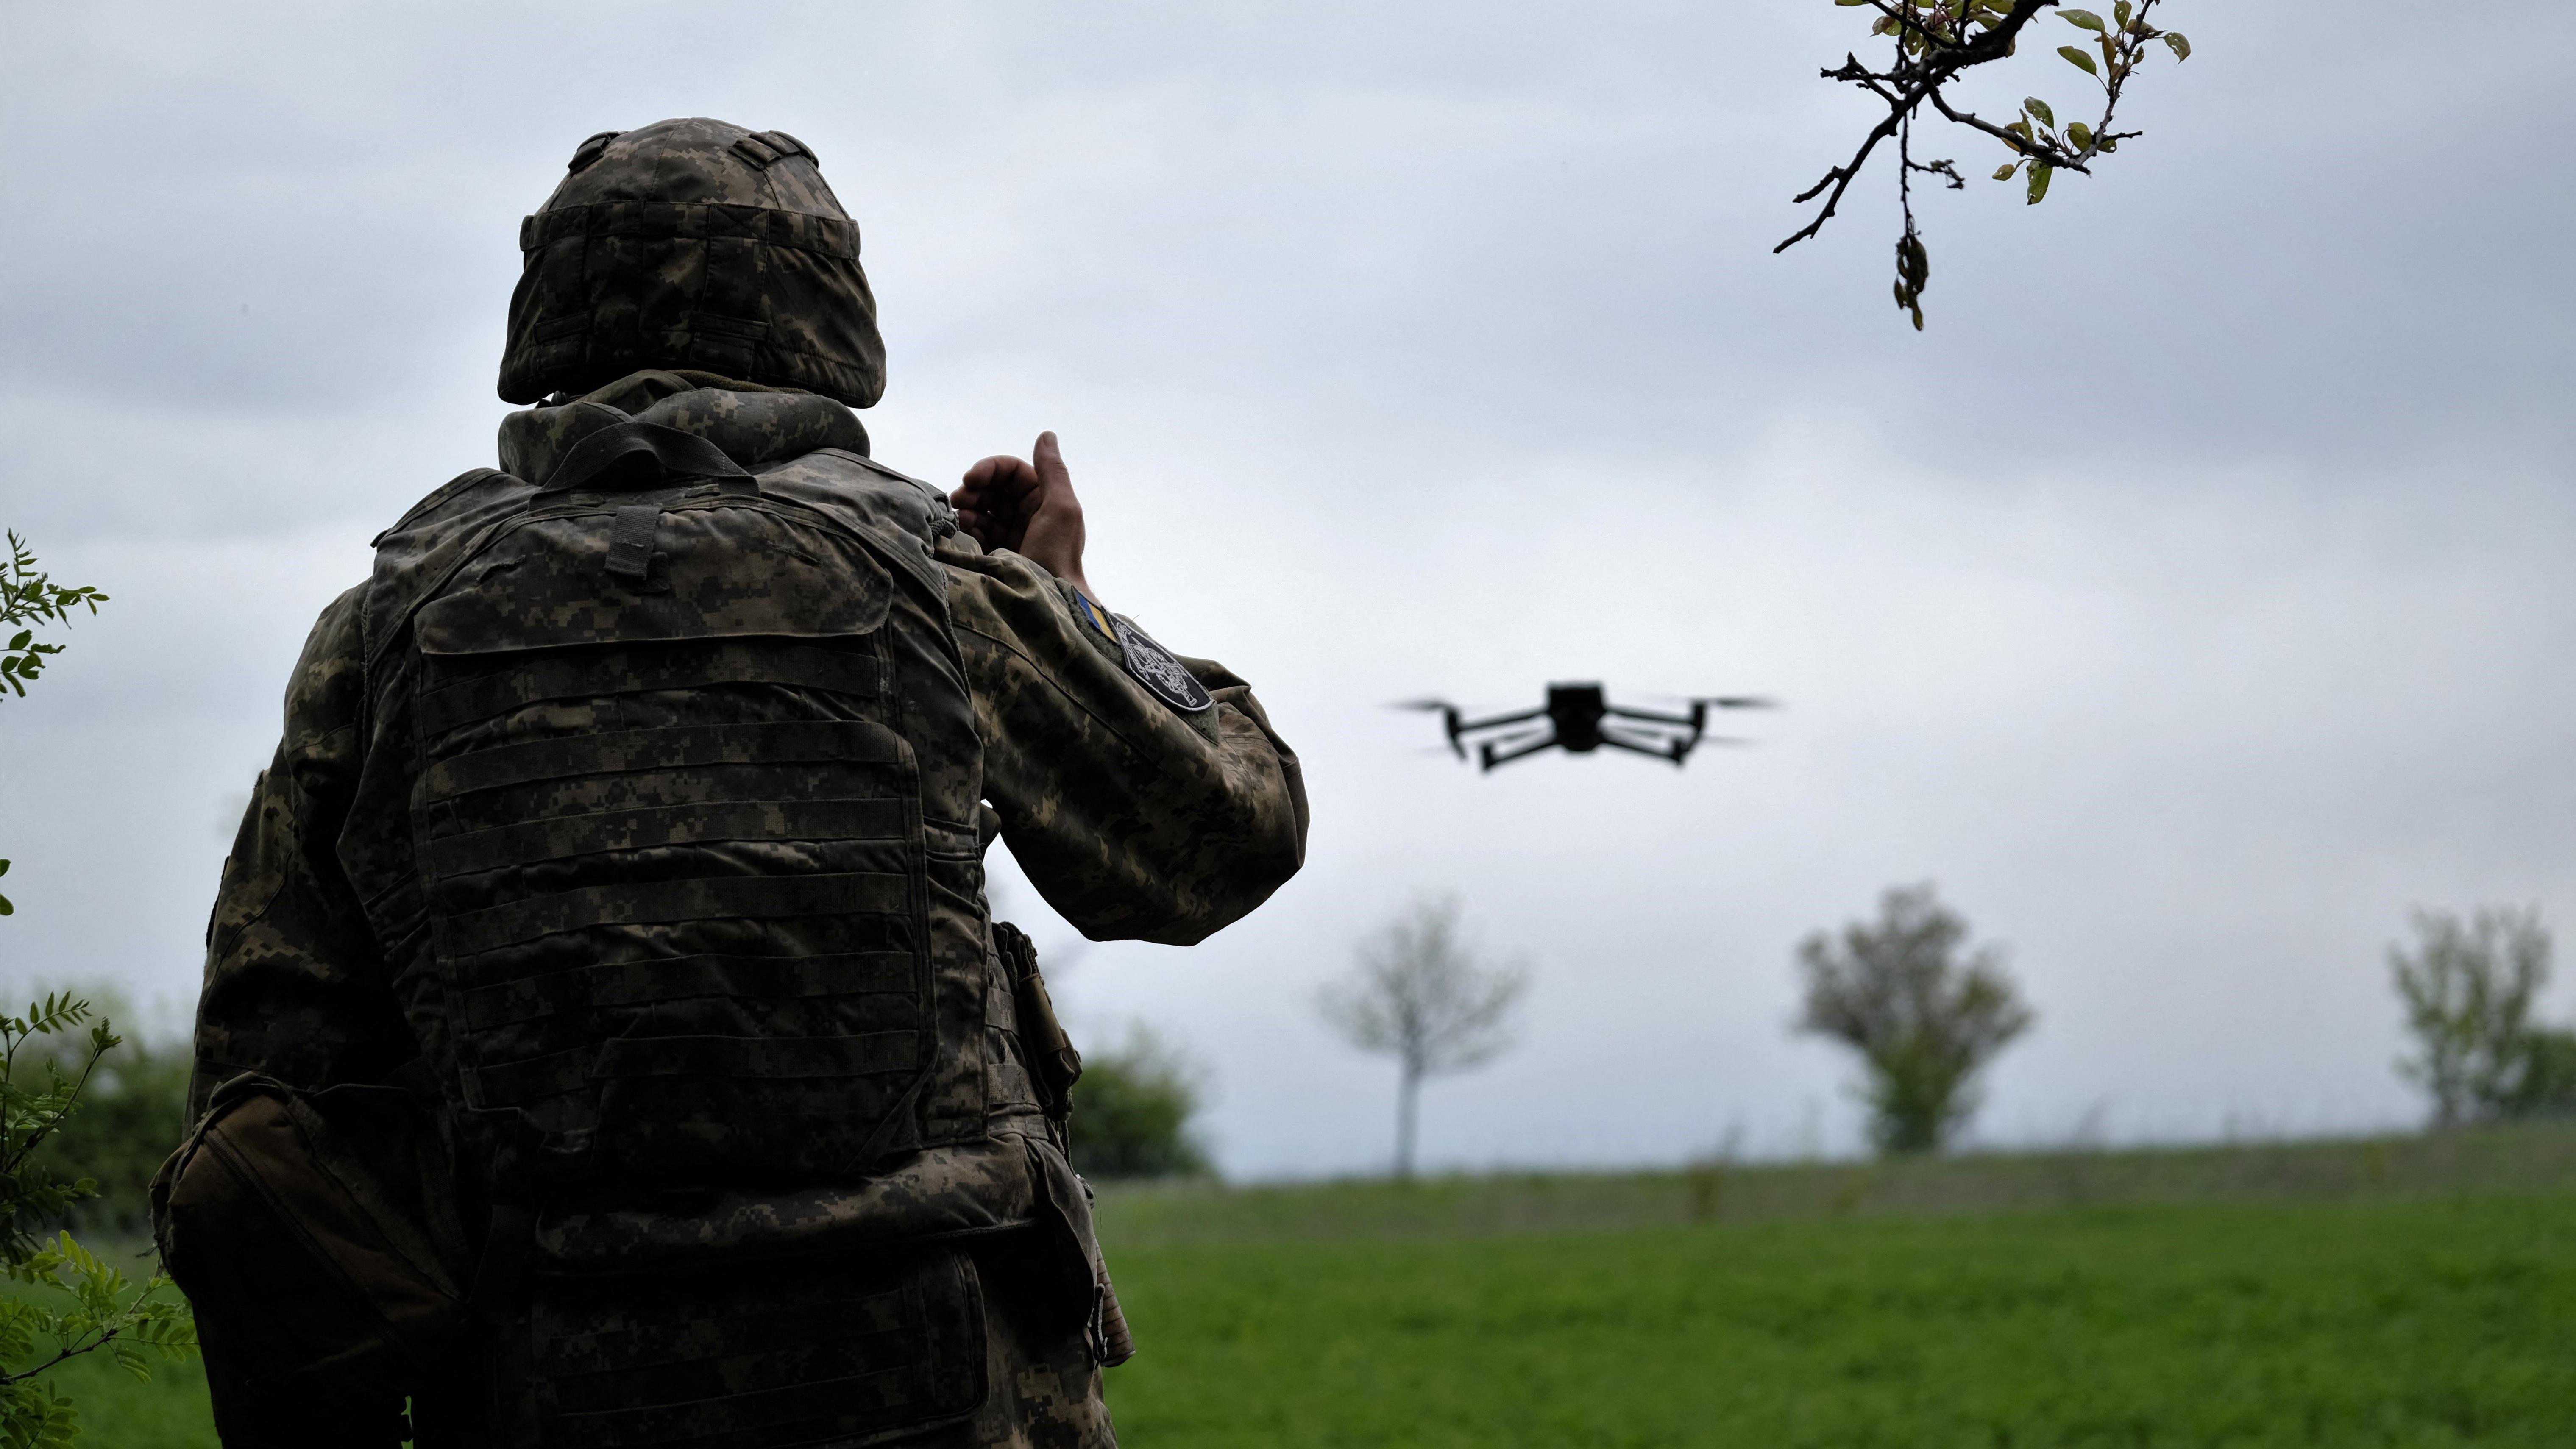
{"x": 1064, "y": 1216}
{"x": 316, "y": 1235}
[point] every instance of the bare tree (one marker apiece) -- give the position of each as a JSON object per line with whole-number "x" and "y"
{"x": 1936, "y": 40}
{"x": 1924, "y": 1020}
{"x": 1422, "y": 995}
{"x": 2469, "y": 987}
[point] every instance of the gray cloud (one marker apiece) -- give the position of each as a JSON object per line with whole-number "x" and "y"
{"x": 2188, "y": 601}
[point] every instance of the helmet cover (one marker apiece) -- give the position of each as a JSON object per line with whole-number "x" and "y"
{"x": 692, "y": 244}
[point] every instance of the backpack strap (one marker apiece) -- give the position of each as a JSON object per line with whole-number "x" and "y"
{"x": 624, "y": 457}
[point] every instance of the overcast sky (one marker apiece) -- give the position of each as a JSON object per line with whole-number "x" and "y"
{"x": 2189, "y": 601}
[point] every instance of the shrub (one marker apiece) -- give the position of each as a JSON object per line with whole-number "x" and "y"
{"x": 1132, "y": 1110}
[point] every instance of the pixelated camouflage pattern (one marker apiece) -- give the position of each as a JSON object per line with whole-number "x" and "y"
{"x": 956, "y": 1344}
{"x": 836, "y": 1348}
{"x": 1042, "y": 1372}
{"x": 751, "y": 424}
{"x": 1132, "y": 822}
{"x": 971, "y": 1188}
{"x": 692, "y": 243}
{"x": 1167, "y": 835}
{"x": 294, "y": 986}
{"x": 776, "y": 803}
{"x": 1051, "y": 1064}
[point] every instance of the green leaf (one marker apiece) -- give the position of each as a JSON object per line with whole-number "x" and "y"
{"x": 2039, "y": 108}
{"x": 2084, "y": 18}
{"x": 2038, "y": 182}
{"x": 2004, "y": 173}
{"x": 2080, "y": 133}
{"x": 2080, "y": 60}
{"x": 2181, "y": 47}
{"x": 2120, "y": 14}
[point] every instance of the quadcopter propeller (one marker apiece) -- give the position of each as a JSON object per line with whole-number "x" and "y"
{"x": 1449, "y": 718}
{"x": 1716, "y": 701}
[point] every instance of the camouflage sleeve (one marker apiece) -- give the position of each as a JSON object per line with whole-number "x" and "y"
{"x": 294, "y": 986}
{"x": 1135, "y": 820}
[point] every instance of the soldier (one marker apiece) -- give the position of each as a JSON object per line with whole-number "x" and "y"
{"x": 605, "y": 1041}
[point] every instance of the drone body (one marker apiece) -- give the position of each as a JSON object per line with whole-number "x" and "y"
{"x": 1579, "y": 719}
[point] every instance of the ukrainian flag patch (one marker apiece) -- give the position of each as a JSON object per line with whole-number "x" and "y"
{"x": 1096, "y": 617}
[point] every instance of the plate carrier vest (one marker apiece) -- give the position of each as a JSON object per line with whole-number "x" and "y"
{"x": 693, "y": 771}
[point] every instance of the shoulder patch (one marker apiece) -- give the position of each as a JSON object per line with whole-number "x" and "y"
{"x": 1093, "y": 615}
{"x": 1154, "y": 667}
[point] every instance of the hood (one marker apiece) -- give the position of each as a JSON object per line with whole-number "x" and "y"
{"x": 748, "y": 424}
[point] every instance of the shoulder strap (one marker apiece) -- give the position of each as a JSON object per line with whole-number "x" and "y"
{"x": 437, "y": 498}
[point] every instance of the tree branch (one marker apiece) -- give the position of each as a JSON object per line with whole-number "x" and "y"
{"x": 2036, "y": 148}
{"x": 69, "y": 1353}
{"x": 1935, "y": 41}
{"x": 1840, "y": 179}
{"x": 1907, "y": 83}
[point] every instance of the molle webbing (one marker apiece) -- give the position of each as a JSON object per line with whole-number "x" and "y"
{"x": 667, "y": 825}
{"x": 641, "y": 983}
{"x": 723, "y": 1057}
{"x": 810, "y": 1350}
{"x": 661, "y": 903}
{"x": 682, "y": 747}
{"x": 674, "y": 859}
{"x": 541, "y": 679}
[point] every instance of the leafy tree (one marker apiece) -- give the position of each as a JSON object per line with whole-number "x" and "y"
{"x": 2549, "y": 1089}
{"x": 1131, "y": 1111}
{"x": 28, "y": 596}
{"x": 1924, "y": 1018}
{"x": 1422, "y": 995}
{"x": 47, "y": 1060}
{"x": 97, "y": 1308}
{"x": 2469, "y": 986}
{"x": 1934, "y": 42}
{"x": 133, "y": 1113}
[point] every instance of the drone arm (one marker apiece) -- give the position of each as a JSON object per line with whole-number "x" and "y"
{"x": 1672, "y": 752}
{"x": 1524, "y": 717}
{"x": 1696, "y": 722}
{"x": 1492, "y": 756}
{"x": 1693, "y": 720}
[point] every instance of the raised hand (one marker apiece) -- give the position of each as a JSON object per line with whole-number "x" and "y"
{"x": 1026, "y": 506}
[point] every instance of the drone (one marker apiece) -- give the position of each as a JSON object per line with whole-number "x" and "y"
{"x": 1579, "y": 718}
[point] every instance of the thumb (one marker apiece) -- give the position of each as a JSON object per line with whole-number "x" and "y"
{"x": 1049, "y": 462}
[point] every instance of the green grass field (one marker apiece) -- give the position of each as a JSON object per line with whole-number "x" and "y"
{"x": 2374, "y": 1324}
{"x": 2417, "y": 1291}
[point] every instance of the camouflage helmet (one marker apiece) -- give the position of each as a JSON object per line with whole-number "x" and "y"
{"x": 692, "y": 244}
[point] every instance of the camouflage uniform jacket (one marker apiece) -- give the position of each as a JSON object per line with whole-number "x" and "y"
{"x": 1135, "y": 820}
